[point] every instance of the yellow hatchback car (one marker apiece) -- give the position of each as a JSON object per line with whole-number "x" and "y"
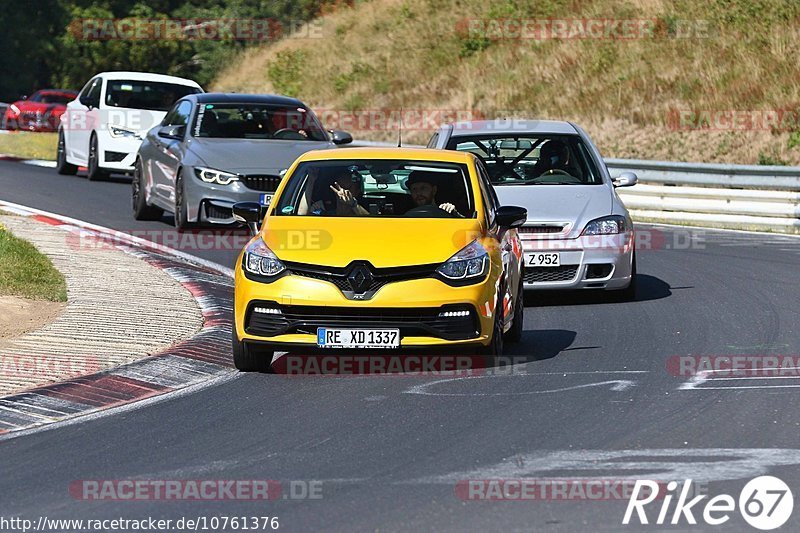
{"x": 374, "y": 248}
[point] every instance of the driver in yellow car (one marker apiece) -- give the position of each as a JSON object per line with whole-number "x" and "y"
{"x": 423, "y": 189}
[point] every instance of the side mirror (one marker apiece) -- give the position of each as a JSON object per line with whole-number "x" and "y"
{"x": 172, "y": 132}
{"x": 250, "y": 213}
{"x": 23, "y": 97}
{"x": 509, "y": 216}
{"x": 341, "y": 137}
{"x": 86, "y": 101}
{"x": 626, "y": 179}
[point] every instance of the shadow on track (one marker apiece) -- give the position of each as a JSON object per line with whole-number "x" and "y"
{"x": 650, "y": 288}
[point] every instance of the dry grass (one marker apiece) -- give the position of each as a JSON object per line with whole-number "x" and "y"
{"x": 29, "y": 145}
{"x": 419, "y": 54}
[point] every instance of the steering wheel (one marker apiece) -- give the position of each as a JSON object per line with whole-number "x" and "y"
{"x": 554, "y": 171}
{"x": 292, "y": 134}
{"x": 428, "y": 211}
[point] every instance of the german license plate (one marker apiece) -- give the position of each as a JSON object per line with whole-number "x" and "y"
{"x": 543, "y": 259}
{"x": 266, "y": 198}
{"x": 358, "y": 338}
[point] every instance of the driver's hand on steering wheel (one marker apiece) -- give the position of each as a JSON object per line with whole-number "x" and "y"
{"x": 450, "y": 208}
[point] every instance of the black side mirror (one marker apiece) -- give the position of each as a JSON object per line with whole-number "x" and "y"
{"x": 172, "y": 132}
{"x": 509, "y": 216}
{"x": 85, "y": 100}
{"x": 23, "y": 97}
{"x": 250, "y": 213}
{"x": 341, "y": 137}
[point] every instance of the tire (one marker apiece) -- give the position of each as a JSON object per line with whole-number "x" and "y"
{"x": 62, "y": 167}
{"x": 494, "y": 349}
{"x": 246, "y": 358}
{"x": 628, "y": 294}
{"x": 93, "y": 170}
{"x": 141, "y": 209}
{"x": 180, "y": 212}
{"x": 515, "y": 333}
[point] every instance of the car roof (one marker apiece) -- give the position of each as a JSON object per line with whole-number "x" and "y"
{"x": 237, "y": 98}
{"x": 420, "y": 154}
{"x": 504, "y": 126}
{"x": 146, "y": 76}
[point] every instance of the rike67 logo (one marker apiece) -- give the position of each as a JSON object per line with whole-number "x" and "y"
{"x": 765, "y": 503}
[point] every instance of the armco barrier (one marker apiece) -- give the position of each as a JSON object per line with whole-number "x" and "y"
{"x": 747, "y": 197}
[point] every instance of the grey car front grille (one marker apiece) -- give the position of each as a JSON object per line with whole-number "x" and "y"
{"x": 261, "y": 182}
{"x": 547, "y": 274}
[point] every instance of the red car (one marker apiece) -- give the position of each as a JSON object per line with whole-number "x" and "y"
{"x": 41, "y": 112}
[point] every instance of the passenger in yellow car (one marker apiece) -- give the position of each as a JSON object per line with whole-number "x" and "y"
{"x": 348, "y": 190}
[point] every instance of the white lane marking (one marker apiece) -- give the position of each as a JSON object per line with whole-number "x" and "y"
{"x": 101, "y": 413}
{"x": 702, "y": 465}
{"x": 121, "y": 236}
{"x": 707, "y": 376}
{"x": 617, "y": 385}
{"x": 40, "y": 163}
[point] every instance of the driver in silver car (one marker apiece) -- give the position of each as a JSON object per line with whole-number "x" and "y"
{"x": 554, "y": 158}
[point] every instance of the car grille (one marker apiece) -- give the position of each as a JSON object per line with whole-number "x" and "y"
{"x": 380, "y": 276}
{"x": 542, "y": 228}
{"x": 546, "y": 274}
{"x": 261, "y": 182}
{"x": 412, "y": 322}
{"x": 216, "y": 212}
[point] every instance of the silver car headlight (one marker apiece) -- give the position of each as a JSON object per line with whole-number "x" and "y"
{"x": 261, "y": 261}
{"x": 470, "y": 264}
{"x": 118, "y": 132}
{"x": 220, "y": 177}
{"x": 609, "y": 225}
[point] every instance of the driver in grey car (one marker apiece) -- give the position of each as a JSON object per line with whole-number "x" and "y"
{"x": 553, "y": 156}
{"x": 423, "y": 189}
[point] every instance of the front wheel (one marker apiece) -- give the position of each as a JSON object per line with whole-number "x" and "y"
{"x": 141, "y": 209}
{"x": 247, "y": 358}
{"x": 515, "y": 333}
{"x": 93, "y": 170}
{"x": 181, "y": 212}
{"x": 628, "y": 294}
{"x": 494, "y": 349}
{"x": 62, "y": 166}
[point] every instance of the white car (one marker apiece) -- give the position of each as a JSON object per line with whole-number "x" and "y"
{"x": 104, "y": 126}
{"x": 578, "y": 234}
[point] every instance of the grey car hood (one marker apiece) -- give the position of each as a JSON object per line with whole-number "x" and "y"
{"x": 245, "y": 156}
{"x": 575, "y": 204}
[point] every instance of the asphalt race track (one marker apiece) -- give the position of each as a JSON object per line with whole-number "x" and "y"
{"x": 594, "y": 393}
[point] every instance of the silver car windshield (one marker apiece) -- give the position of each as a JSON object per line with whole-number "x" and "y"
{"x": 257, "y": 121}
{"x": 532, "y": 160}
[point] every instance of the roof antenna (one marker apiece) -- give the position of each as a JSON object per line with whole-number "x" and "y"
{"x": 400, "y": 131}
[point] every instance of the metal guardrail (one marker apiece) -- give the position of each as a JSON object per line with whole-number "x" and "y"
{"x": 748, "y": 197}
{"x": 3, "y": 109}
{"x": 710, "y": 174}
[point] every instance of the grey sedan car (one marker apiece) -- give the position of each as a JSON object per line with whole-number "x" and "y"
{"x": 578, "y": 234}
{"x": 213, "y": 150}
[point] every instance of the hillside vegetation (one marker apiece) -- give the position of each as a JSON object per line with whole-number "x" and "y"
{"x": 700, "y": 59}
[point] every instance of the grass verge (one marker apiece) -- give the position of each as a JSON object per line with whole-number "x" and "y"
{"x": 27, "y": 273}
{"x": 29, "y": 145}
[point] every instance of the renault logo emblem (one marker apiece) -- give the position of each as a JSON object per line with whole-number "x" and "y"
{"x": 360, "y": 278}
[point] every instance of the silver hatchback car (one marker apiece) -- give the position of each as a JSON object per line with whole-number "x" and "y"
{"x": 578, "y": 234}
{"x": 213, "y": 150}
